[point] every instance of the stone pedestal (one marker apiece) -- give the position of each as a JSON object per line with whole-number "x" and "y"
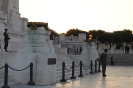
{"x": 89, "y": 53}
{"x": 46, "y": 74}
{"x": 40, "y": 49}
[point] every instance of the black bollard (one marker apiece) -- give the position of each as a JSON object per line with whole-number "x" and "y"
{"x": 31, "y": 75}
{"x": 81, "y": 75}
{"x": 95, "y": 65}
{"x": 99, "y": 66}
{"x": 63, "y": 73}
{"x": 73, "y": 77}
{"x": 6, "y": 77}
{"x": 91, "y": 67}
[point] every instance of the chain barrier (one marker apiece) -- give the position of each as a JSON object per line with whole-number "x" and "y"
{"x": 2, "y": 67}
{"x": 93, "y": 67}
{"x": 63, "y": 73}
{"x": 73, "y": 70}
{"x": 18, "y": 70}
{"x": 99, "y": 63}
{"x": 6, "y": 74}
{"x": 77, "y": 65}
{"x": 85, "y": 68}
{"x": 67, "y": 69}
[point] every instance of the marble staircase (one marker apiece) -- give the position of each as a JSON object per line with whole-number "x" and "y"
{"x": 11, "y": 81}
{"x": 121, "y": 59}
{"x": 68, "y": 63}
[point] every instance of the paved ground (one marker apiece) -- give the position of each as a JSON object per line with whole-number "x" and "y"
{"x": 117, "y": 77}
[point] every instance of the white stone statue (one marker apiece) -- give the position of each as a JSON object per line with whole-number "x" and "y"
{"x": 3, "y": 6}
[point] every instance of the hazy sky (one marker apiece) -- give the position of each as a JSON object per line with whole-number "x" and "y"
{"x": 61, "y": 15}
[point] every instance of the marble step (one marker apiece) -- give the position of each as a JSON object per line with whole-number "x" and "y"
{"x": 60, "y": 68}
{"x": 60, "y": 64}
{"x": 1, "y": 73}
{"x": 64, "y": 61}
{"x": 10, "y": 84}
{"x": 9, "y": 80}
{"x": 67, "y": 61}
{"x": 1, "y": 76}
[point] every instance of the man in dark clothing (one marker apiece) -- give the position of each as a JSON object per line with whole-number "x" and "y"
{"x": 112, "y": 62}
{"x": 125, "y": 49}
{"x": 128, "y": 48}
{"x": 103, "y": 61}
{"x": 80, "y": 49}
{"x": 6, "y": 40}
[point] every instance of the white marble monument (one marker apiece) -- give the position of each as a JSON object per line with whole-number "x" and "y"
{"x": 10, "y": 19}
{"x": 38, "y": 49}
{"x": 89, "y": 53}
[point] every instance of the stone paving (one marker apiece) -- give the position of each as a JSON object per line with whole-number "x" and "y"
{"x": 117, "y": 77}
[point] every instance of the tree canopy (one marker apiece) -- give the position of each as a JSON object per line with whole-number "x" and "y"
{"x": 116, "y": 37}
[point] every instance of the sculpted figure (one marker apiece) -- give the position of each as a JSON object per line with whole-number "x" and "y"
{"x": 3, "y": 6}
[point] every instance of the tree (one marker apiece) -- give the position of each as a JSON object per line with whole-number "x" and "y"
{"x": 75, "y": 32}
{"x": 122, "y": 36}
{"x": 96, "y": 33}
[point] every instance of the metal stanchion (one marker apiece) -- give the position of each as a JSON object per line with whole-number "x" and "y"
{"x": 31, "y": 75}
{"x": 95, "y": 66}
{"x": 91, "y": 67}
{"x": 6, "y": 77}
{"x": 73, "y": 77}
{"x": 81, "y": 75}
{"x": 99, "y": 66}
{"x": 63, "y": 73}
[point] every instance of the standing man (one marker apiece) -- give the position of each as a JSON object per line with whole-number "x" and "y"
{"x": 103, "y": 61}
{"x": 80, "y": 49}
{"x": 6, "y": 40}
{"x": 125, "y": 49}
{"x": 128, "y": 48}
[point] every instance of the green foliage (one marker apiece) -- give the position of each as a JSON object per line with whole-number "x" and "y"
{"x": 117, "y": 37}
{"x": 96, "y": 33}
{"x": 75, "y": 32}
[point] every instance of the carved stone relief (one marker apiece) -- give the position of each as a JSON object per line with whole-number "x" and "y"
{"x": 3, "y": 6}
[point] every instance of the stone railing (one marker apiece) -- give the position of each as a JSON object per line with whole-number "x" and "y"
{"x": 116, "y": 51}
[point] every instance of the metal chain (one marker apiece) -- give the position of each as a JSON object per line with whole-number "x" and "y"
{"x": 2, "y": 67}
{"x": 19, "y": 70}
{"x": 67, "y": 69}
{"x": 76, "y": 65}
{"x": 85, "y": 68}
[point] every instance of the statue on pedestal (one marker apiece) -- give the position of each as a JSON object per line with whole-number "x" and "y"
{"x": 3, "y": 6}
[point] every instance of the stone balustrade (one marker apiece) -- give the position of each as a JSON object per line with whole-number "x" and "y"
{"x": 116, "y": 51}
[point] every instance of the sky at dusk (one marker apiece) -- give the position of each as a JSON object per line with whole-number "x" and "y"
{"x": 62, "y": 15}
